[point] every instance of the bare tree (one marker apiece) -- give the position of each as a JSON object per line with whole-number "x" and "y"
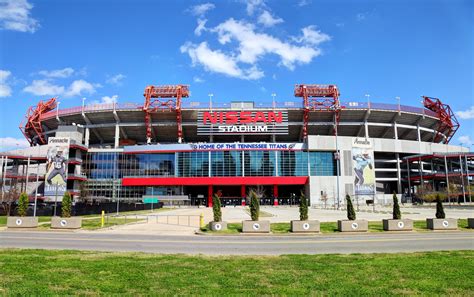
{"x": 8, "y": 198}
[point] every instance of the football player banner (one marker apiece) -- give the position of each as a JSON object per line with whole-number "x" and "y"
{"x": 363, "y": 166}
{"x": 56, "y": 166}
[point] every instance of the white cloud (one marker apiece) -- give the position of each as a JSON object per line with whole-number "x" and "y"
{"x": 312, "y": 36}
{"x": 253, "y": 5}
{"x": 252, "y": 45}
{"x": 80, "y": 87}
{"x": 361, "y": 16}
{"x": 302, "y": 3}
{"x": 10, "y": 143}
{"x": 198, "y": 80}
{"x": 268, "y": 20}
{"x": 59, "y": 73}
{"x": 465, "y": 140}
{"x": 201, "y": 9}
{"x": 15, "y": 16}
{"x": 466, "y": 114}
{"x": 109, "y": 100}
{"x": 116, "y": 79}
{"x": 200, "y": 27}
{"x": 5, "y": 89}
{"x": 44, "y": 87}
{"x": 217, "y": 61}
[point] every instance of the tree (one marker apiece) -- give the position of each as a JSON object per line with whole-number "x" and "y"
{"x": 303, "y": 207}
{"x": 8, "y": 198}
{"x": 254, "y": 206}
{"x": 396, "y": 208}
{"x": 439, "y": 208}
{"x": 216, "y": 208}
{"x": 351, "y": 215}
{"x": 23, "y": 204}
{"x": 66, "y": 205}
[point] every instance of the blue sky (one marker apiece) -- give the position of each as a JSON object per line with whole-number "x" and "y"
{"x": 237, "y": 50}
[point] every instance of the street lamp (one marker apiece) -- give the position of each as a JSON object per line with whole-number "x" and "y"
{"x": 273, "y": 100}
{"x": 210, "y": 100}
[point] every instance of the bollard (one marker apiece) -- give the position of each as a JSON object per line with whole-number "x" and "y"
{"x": 201, "y": 221}
{"x": 102, "y": 219}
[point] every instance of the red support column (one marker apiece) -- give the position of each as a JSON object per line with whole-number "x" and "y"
{"x": 242, "y": 194}
{"x": 209, "y": 196}
{"x": 275, "y": 195}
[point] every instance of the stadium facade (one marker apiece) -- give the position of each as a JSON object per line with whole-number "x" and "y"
{"x": 181, "y": 151}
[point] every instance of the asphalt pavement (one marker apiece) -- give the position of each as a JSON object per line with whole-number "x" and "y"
{"x": 242, "y": 245}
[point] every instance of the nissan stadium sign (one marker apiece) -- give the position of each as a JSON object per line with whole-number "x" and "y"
{"x": 226, "y": 122}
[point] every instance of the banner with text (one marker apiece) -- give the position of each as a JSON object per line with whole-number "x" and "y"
{"x": 363, "y": 164}
{"x": 56, "y": 166}
{"x": 231, "y": 146}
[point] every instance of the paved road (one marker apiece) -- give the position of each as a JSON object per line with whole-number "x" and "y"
{"x": 242, "y": 245}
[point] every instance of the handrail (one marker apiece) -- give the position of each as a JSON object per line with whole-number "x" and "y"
{"x": 297, "y": 104}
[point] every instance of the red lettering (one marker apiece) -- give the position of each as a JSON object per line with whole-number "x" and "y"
{"x": 260, "y": 117}
{"x": 231, "y": 117}
{"x": 209, "y": 117}
{"x": 272, "y": 117}
{"x": 245, "y": 117}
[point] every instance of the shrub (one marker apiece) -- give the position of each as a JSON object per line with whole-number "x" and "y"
{"x": 66, "y": 205}
{"x": 254, "y": 206}
{"x": 439, "y": 208}
{"x": 351, "y": 215}
{"x": 216, "y": 208}
{"x": 396, "y": 208}
{"x": 22, "y": 204}
{"x": 303, "y": 207}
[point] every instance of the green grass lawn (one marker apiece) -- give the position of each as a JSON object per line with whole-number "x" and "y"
{"x": 328, "y": 227}
{"x": 41, "y": 272}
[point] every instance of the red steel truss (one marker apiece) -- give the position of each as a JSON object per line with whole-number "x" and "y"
{"x": 448, "y": 124}
{"x": 163, "y": 98}
{"x": 318, "y": 98}
{"x": 33, "y": 130}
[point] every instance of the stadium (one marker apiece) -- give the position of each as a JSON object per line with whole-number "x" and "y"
{"x": 174, "y": 150}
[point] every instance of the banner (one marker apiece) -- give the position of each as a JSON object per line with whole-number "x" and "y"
{"x": 363, "y": 164}
{"x": 232, "y": 122}
{"x": 232, "y": 146}
{"x": 56, "y": 166}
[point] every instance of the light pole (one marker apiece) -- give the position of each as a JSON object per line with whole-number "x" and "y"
{"x": 83, "y": 103}
{"x": 398, "y": 102}
{"x": 57, "y": 111}
{"x": 210, "y": 100}
{"x": 368, "y": 100}
{"x": 273, "y": 100}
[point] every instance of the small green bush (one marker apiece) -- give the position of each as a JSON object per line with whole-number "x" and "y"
{"x": 254, "y": 206}
{"x": 216, "y": 208}
{"x": 303, "y": 207}
{"x": 66, "y": 205}
{"x": 351, "y": 215}
{"x": 23, "y": 204}
{"x": 396, "y": 208}
{"x": 439, "y": 208}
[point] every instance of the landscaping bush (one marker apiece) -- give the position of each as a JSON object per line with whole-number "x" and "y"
{"x": 66, "y": 205}
{"x": 351, "y": 215}
{"x": 22, "y": 204}
{"x": 216, "y": 208}
{"x": 439, "y": 208}
{"x": 254, "y": 206}
{"x": 303, "y": 207}
{"x": 396, "y": 208}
